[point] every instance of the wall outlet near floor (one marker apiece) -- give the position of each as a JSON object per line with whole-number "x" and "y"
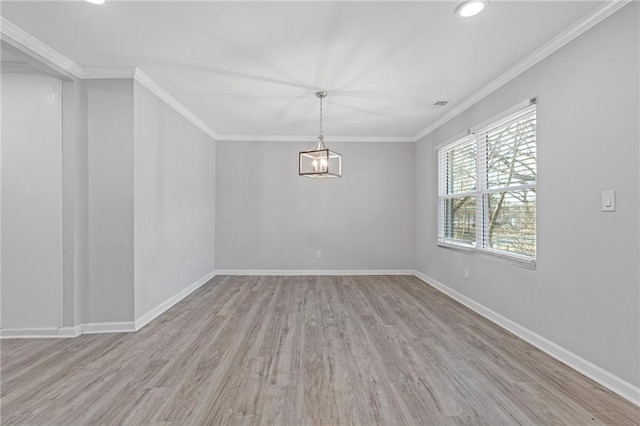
{"x": 466, "y": 273}
{"x": 318, "y": 253}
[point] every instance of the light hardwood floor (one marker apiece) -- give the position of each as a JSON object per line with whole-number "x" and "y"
{"x": 302, "y": 351}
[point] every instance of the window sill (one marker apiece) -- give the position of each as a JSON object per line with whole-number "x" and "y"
{"x": 490, "y": 255}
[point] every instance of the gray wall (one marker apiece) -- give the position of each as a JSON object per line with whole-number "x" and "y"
{"x": 109, "y": 293}
{"x": 151, "y": 202}
{"x": 174, "y": 213}
{"x": 31, "y": 202}
{"x": 268, "y": 217}
{"x": 584, "y": 294}
{"x": 74, "y": 201}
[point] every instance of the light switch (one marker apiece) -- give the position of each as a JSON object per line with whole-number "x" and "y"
{"x": 608, "y": 201}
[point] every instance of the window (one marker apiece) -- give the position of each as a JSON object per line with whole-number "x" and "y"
{"x": 487, "y": 188}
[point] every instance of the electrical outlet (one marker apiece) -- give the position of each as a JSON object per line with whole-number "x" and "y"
{"x": 466, "y": 273}
{"x": 318, "y": 253}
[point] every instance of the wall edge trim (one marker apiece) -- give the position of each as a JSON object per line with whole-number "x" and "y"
{"x": 67, "y": 332}
{"x": 167, "y": 304}
{"x": 31, "y": 333}
{"x": 31, "y": 46}
{"x": 305, "y": 272}
{"x": 160, "y": 92}
{"x": 598, "y": 374}
{"x": 588, "y": 21}
{"x": 104, "y": 327}
{"x": 107, "y": 327}
{"x": 310, "y": 139}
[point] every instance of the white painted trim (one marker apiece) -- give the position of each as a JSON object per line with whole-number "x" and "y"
{"x": 108, "y": 327}
{"x": 105, "y": 327}
{"x": 70, "y": 331}
{"x": 167, "y": 304}
{"x": 32, "y": 333}
{"x": 518, "y": 110}
{"x": 66, "y": 332}
{"x": 28, "y": 44}
{"x": 50, "y": 57}
{"x": 155, "y": 88}
{"x": 289, "y": 272}
{"x": 460, "y": 138}
{"x": 40, "y": 333}
{"x": 311, "y": 139}
{"x": 38, "y": 50}
{"x": 95, "y": 73}
{"x": 610, "y": 381}
{"x": 594, "y": 17}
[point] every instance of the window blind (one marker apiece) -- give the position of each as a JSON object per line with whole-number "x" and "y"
{"x": 487, "y": 188}
{"x": 458, "y": 171}
{"x": 509, "y": 184}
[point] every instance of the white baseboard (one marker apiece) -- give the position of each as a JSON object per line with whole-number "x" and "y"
{"x": 31, "y": 333}
{"x": 108, "y": 327}
{"x": 289, "y": 272}
{"x": 103, "y": 327}
{"x": 610, "y": 381}
{"x": 164, "y": 306}
{"x": 70, "y": 331}
{"x": 66, "y": 332}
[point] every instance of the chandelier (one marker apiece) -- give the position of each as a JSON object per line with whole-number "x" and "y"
{"x": 320, "y": 162}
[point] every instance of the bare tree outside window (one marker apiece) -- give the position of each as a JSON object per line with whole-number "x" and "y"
{"x": 461, "y": 180}
{"x": 487, "y": 196}
{"x": 511, "y": 162}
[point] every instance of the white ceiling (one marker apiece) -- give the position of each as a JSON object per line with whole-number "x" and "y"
{"x": 251, "y": 68}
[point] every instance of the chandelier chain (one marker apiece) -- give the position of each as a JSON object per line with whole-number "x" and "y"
{"x": 320, "y": 133}
{"x": 319, "y": 162}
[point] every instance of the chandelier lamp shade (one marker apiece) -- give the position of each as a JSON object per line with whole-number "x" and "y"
{"x": 320, "y": 161}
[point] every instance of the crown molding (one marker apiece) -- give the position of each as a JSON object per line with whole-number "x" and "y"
{"x": 329, "y": 139}
{"x": 157, "y": 90}
{"x": 28, "y": 44}
{"x": 95, "y": 73}
{"x": 588, "y": 21}
{"x": 33, "y": 47}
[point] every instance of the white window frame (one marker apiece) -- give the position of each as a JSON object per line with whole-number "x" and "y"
{"x": 478, "y": 134}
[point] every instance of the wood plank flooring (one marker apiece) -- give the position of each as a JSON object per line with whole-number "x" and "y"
{"x": 302, "y": 351}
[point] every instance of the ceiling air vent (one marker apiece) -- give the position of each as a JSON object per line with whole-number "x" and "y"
{"x": 440, "y": 103}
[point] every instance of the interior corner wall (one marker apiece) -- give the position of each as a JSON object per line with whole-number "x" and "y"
{"x": 108, "y": 295}
{"x": 174, "y": 209}
{"x": 584, "y": 294}
{"x": 269, "y": 218}
{"x": 31, "y": 202}
{"x": 74, "y": 202}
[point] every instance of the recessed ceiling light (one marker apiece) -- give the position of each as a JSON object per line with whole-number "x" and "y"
{"x": 471, "y": 8}
{"x": 96, "y": 1}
